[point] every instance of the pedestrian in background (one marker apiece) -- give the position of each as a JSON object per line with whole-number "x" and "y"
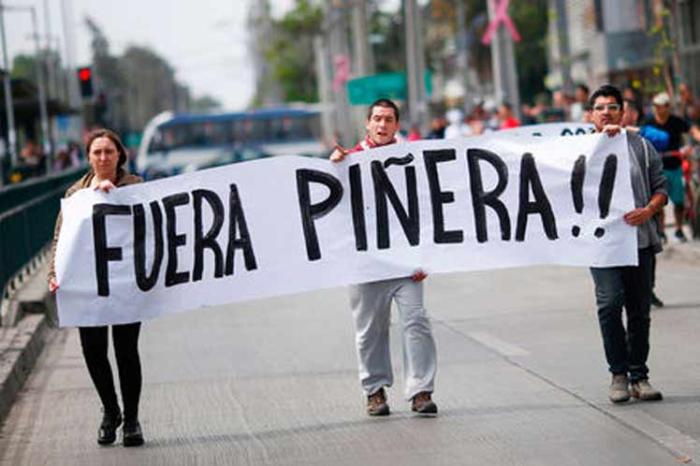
{"x": 627, "y": 349}
{"x": 659, "y": 140}
{"x": 107, "y": 158}
{"x": 437, "y": 128}
{"x": 577, "y": 109}
{"x": 371, "y": 306}
{"x": 676, "y": 127}
{"x": 506, "y": 118}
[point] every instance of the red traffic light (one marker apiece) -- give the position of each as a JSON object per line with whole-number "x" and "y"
{"x": 85, "y": 81}
{"x": 84, "y": 74}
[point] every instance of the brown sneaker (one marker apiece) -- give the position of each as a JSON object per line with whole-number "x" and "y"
{"x": 642, "y": 390}
{"x": 619, "y": 391}
{"x": 423, "y": 404}
{"x": 377, "y": 405}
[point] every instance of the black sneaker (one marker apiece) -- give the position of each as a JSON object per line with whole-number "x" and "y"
{"x": 655, "y": 301}
{"x": 132, "y": 436}
{"x": 107, "y": 433}
{"x": 680, "y": 236}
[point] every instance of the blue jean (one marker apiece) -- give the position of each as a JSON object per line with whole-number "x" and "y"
{"x": 626, "y": 349}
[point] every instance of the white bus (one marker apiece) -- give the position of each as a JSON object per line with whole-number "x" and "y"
{"x": 173, "y": 143}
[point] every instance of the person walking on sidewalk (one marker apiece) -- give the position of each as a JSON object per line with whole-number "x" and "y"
{"x": 371, "y": 306}
{"x": 107, "y": 158}
{"x": 627, "y": 349}
{"x": 676, "y": 127}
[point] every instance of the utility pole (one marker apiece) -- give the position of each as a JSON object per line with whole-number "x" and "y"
{"x": 363, "y": 57}
{"x": 505, "y": 76}
{"x": 68, "y": 39}
{"x": 563, "y": 40}
{"x": 415, "y": 64}
{"x": 50, "y": 76}
{"x": 7, "y": 86}
{"x": 325, "y": 95}
{"x": 43, "y": 110}
{"x": 364, "y": 60}
{"x": 336, "y": 29}
{"x": 463, "y": 52}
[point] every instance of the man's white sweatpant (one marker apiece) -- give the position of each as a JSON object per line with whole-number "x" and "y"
{"x": 371, "y": 309}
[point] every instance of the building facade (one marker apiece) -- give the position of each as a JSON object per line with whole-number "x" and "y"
{"x": 599, "y": 41}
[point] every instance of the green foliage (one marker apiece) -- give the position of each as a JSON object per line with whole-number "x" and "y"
{"x": 663, "y": 49}
{"x": 291, "y": 52}
{"x": 388, "y": 47}
{"x": 204, "y": 104}
{"x": 531, "y": 52}
{"x": 24, "y": 67}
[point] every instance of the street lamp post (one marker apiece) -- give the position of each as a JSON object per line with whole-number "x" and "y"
{"x": 43, "y": 112}
{"x": 7, "y": 86}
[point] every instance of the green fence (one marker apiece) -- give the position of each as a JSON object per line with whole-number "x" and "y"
{"x": 13, "y": 195}
{"x": 27, "y": 217}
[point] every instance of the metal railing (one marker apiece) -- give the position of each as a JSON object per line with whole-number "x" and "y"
{"x": 27, "y": 218}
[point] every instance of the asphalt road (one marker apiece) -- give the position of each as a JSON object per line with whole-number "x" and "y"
{"x": 521, "y": 381}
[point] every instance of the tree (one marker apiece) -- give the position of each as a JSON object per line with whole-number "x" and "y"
{"x": 291, "y": 52}
{"x": 531, "y": 52}
{"x": 134, "y": 87}
{"x": 387, "y": 37}
{"x": 205, "y": 103}
{"x": 24, "y": 67}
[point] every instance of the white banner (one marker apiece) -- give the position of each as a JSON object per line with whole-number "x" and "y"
{"x": 293, "y": 224}
{"x": 569, "y": 128}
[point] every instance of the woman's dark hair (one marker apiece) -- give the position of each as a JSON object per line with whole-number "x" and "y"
{"x": 112, "y": 136}
{"x": 606, "y": 90}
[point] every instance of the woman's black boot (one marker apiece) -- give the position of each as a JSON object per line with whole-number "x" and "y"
{"x": 132, "y": 434}
{"x": 108, "y": 429}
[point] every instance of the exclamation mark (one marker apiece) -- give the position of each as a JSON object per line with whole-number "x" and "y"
{"x": 577, "y": 177}
{"x": 607, "y": 183}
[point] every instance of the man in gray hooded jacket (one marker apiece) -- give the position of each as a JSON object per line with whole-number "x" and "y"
{"x": 627, "y": 349}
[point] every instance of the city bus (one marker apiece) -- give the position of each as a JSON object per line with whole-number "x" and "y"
{"x": 179, "y": 143}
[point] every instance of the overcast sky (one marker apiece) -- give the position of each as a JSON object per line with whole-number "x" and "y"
{"x": 204, "y": 40}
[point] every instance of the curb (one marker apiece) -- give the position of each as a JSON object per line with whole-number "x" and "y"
{"x": 20, "y": 347}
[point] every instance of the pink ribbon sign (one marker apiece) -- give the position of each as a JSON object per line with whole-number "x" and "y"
{"x": 342, "y": 72}
{"x": 501, "y": 16}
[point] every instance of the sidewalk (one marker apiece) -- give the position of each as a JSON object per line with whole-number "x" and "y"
{"x": 22, "y": 344}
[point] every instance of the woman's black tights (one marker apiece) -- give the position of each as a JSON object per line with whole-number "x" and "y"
{"x": 94, "y": 341}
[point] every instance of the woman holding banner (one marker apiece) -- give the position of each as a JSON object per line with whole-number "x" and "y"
{"x": 107, "y": 157}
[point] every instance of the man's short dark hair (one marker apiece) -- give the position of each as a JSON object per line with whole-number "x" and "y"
{"x": 584, "y": 88}
{"x": 606, "y": 90}
{"x": 386, "y": 103}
